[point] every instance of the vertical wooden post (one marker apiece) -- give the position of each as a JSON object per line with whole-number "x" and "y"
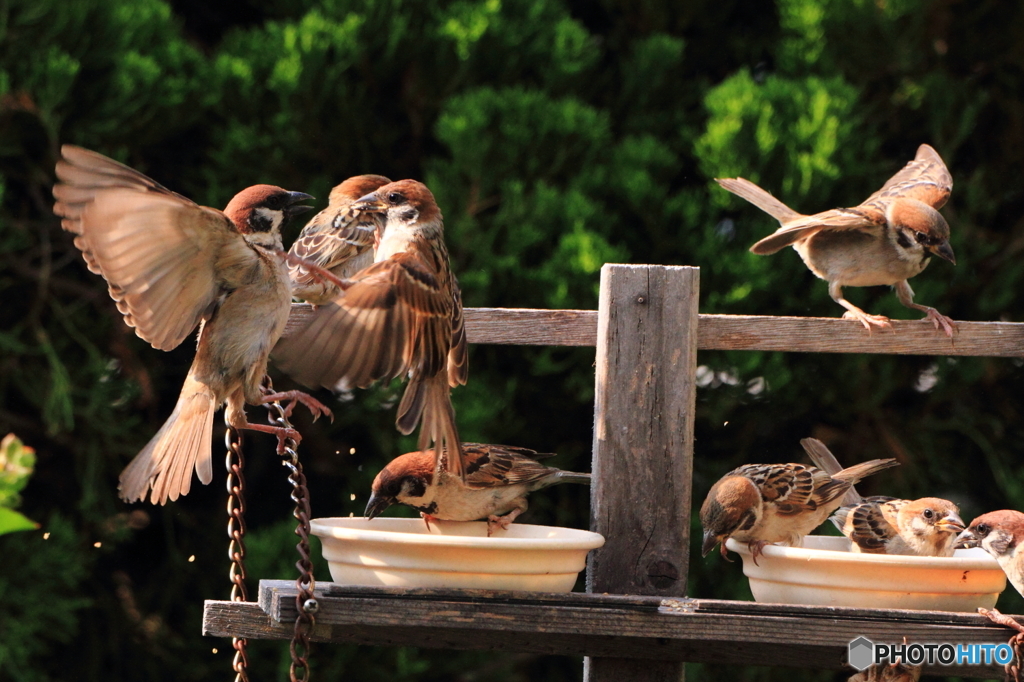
{"x": 643, "y": 444}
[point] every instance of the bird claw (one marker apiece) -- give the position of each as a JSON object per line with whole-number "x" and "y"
{"x": 494, "y": 523}
{"x": 283, "y": 433}
{"x": 316, "y": 408}
{"x": 756, "y": 549}
{"x": 941, "y": 322}
{"x": 427, "y": 518}
{"x": 880, "y": 321}
{"x": 321, "y": 275}
{"x": 1002, "y": 619}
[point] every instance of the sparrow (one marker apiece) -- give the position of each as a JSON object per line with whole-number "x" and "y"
{"x": 886, "y": 525}
{"x": 498, "y": 479}
{"x": 399, "y": 317}
{"x": 1000, "y": 533}
{"x": 775, "y": 503}
{"x": 884, "y": 241}
{"x": 172, "y": 265}
{"x": 337, "y": 239}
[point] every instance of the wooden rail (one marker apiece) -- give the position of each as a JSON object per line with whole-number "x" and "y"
{"x": 530, "y": 327}
{"x": 654, "y": 629}
{"x": 641, "y": 502}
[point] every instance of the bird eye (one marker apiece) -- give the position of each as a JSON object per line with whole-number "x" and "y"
{"x": 923, "y": 238}
{"x": 274, "y": 202}
{"x": 396, "y": 198}
{"x": 928, "y": 514}
{"x": 982, "y": 529}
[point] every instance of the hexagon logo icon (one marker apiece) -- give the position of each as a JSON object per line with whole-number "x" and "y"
{"x": 861, "y": 653}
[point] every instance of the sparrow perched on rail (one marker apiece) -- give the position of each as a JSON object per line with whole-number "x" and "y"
{"x": 885, "y": 241}
{"x": 401, "y": 316}
{"x": 776, "y": 503}
{"x": 337, "y": 239}
{"x": 498, "y": 479}
{"x": 172, "y": 265}
{"x": 886, "y": 525}
{"x": 1000, "y": 533}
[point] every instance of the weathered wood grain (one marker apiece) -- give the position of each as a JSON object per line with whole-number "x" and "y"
{"x": 604, "y": 626}
{"x": 533, "y": 327}
{"x": 643, "y": 440}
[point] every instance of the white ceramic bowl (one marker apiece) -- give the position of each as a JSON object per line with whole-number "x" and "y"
{"x": 403, "y": 553}
{"x": 824, "y": 572}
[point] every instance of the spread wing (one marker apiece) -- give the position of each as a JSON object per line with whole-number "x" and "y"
{"x": 458, "y": 356}
{"x": 864, "y": 217}
{"x": 396, "y": 318}
{"x": 492, "y": 466}
{"x": 926, "y": 179}
{"x": 156, "y": 249}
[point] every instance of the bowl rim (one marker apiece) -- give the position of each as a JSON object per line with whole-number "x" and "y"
{"x": 977, "y": 563}
{"x": 584, "y": 539}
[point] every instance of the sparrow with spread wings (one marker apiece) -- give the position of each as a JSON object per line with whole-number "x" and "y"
{"x": 498, "y": 479}
{"x": 884, "y": 241}
{"x": 399, "y": 317}
{"x": 172, "y": 265}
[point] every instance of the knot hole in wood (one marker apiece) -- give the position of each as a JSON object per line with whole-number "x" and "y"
{"x": 662, "y": 574}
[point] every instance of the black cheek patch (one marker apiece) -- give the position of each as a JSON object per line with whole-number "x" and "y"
{"x": 417, "y": 487}
{"x": 260, "y": 223}
{"x": 408, "y": 215}
{"x": 902, "y": 239}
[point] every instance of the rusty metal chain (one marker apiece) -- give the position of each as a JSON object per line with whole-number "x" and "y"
{"x": 235, "y": 463}
{"x": 306, "y": 604}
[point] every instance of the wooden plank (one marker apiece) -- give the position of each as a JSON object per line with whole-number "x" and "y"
{"x": 637, "y": 627}
{"x": 534, "y": 327}
{"x": 643, "y": 442}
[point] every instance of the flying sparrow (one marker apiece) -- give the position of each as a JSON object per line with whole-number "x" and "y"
{"x": 885, "y": 525}
{"x": 776, "y": 503}
{"x": 1000, "y": 533}
{"x": 172, "y": 265}
{"x": 498, "y": 479}
{"x": 337, "y": 239}
{"x": 399, "y": 317}
{"x": 885, "y": 241}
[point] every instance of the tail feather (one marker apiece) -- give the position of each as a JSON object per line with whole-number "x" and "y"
{"x": 429, "y": 401}
{"x": 183, "y": 443}
{"x": 571, "y": 477}
{"x": 857, "y": 472}
{"x": 827, "y": 462}
{"x": 759, "y": 197}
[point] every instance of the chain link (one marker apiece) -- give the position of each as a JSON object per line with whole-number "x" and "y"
{"x": 305, "y": 603}
{"x": 235, "y": 462}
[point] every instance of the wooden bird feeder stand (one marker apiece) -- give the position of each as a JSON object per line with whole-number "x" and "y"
{"x": 635, "y": 621}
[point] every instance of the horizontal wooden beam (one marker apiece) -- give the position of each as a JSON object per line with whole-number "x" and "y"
{"x": 578, "y": 624}
{"x": 525, "y": 326}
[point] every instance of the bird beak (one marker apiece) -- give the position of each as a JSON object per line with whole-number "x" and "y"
{"x": 370, "y": 203}
{"x": 376, "y": 506}
{"x": 966, "y": 540}
{"x": 293, "y": 208}
{"x": 951, "y": 523}
{"x": 710, "y": 540}
{"x": 945, "y": 251}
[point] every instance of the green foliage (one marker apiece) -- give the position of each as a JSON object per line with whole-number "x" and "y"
{"x": 556, "y": 136}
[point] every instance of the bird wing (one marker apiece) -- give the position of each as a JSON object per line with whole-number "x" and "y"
{"x": 869, "y": 524}
{"x": 396, "y": 318}
{"x": 926, "y": 179}
{"x": 157, "y": 250}
{"x": 458, "y": 355}
{"x": 332, "y": 238}
{"x": 864, "y": 218}
{"x": 790, "y": 487}
{"x": 492, "y": 466}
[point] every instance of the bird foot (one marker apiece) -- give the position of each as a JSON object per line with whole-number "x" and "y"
{"x": 316, "y": 408}
{"x": 941, "y": 322}
{"x": 756, "y": 549}
{"x": 1013, "y": 671}
{"x": 283, "y": 434}
{"x": 495, "y": 523}
{"x": 1001, "y": 619}
{"x": 724, "y": 551}
{"x": 880, "y": 321}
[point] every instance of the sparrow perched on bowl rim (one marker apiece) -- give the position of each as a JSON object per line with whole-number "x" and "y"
{"x": 498, "y": 479}
{"x": 337, "y": 239}
{"x": 886, "y": 525}
{"x": 762, "y": 504}
{"x": 172, "y": 265}
{"x": 399, "y": 317}
{"x": 884, "y": 241}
